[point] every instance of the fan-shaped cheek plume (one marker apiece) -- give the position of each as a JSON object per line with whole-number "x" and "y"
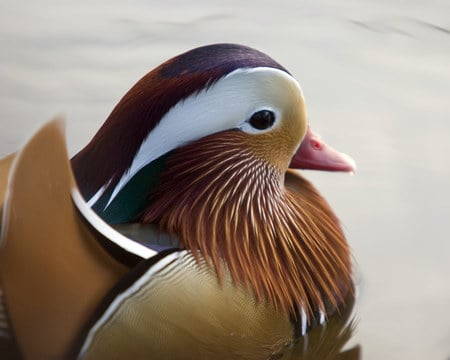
{"x": 280, "y": 240}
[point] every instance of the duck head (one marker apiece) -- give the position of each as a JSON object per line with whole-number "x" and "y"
{"x": 203, "y": 146}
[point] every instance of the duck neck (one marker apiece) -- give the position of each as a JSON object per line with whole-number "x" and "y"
{"x": 130, "y": 201}
{"x": 275, "y": 234}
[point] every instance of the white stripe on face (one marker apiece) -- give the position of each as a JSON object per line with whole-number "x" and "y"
{"x": 228, "y": 104}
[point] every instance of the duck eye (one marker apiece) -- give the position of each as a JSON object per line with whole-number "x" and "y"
{"x": 262, "y": 119}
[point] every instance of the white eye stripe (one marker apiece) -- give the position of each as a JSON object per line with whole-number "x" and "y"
{"x": 227, "y": 104}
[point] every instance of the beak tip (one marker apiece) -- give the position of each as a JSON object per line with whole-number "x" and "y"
{"x": 350, "y": 164}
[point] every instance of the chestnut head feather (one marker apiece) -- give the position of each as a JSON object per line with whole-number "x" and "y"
{"x": 113, "y": 150}
{"x": 201, "y": 146}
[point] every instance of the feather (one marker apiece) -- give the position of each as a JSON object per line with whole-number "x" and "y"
{"x": 278, "y": 238}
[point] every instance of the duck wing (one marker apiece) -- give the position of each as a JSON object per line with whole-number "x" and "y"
{"x": 49, "y": 260}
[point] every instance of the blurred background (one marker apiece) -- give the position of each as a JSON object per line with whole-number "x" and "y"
{"x": 376, "y": 77}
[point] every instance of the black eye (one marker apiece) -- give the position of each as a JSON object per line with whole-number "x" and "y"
{"x": 262, "y": 119}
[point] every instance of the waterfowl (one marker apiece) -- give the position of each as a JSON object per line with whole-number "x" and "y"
{"x": 200, "y": 149}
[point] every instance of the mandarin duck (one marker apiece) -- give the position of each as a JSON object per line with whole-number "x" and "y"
{"x": 238, "y": 254}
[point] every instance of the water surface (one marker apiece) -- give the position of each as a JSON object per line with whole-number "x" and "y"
{"x": 376, "y": 78}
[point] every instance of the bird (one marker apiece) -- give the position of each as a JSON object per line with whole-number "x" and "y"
{"x": 204, "y": 152}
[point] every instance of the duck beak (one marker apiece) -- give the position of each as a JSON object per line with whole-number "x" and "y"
{"x": 315, "y": 154}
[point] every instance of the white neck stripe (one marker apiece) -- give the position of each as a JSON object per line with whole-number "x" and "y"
{"x": 107, "y": 231}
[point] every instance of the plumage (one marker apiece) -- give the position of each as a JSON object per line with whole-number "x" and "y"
{"x": 143, "y": 107}
{"x": 295, "y": 251}
{"x": 199, "y": 154}
{"x": 47, "y": 256}
{"x": 215, "y": 181}
{"x": 5, "y": 165}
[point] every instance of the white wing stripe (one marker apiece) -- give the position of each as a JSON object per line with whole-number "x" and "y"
{"x": 107, "y": 231}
